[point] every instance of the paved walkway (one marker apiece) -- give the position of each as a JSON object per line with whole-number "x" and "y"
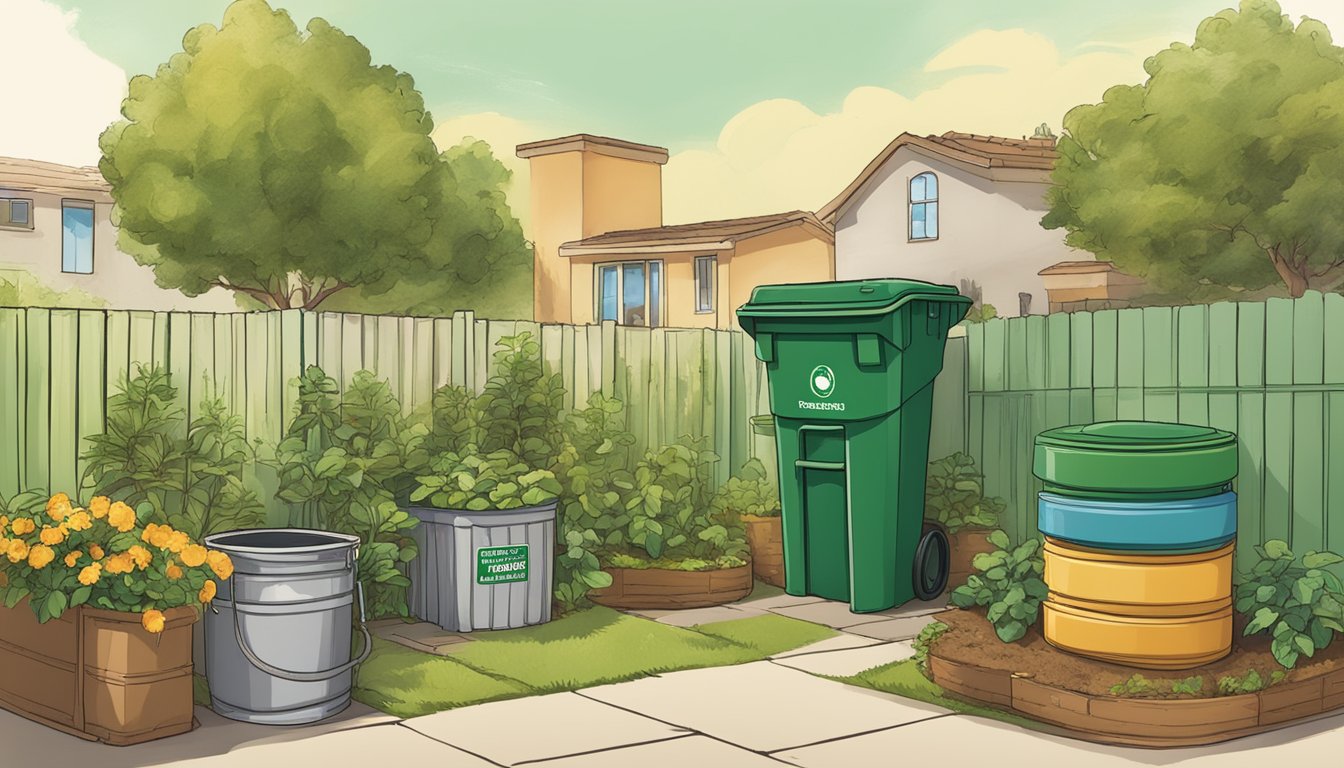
{"x": 776, "y": 712}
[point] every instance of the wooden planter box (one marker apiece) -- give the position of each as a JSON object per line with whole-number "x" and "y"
{"x": 655, "y": 588}
{"x": 98, "y": 674}
{"x": 963, "y": 546}
{"x": 1143, "y": 722}
{"x": 765, "y": 535}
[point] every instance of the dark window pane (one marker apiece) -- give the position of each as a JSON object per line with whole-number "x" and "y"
{"x": 609, "y": 297}
{"x": 18, "y": 212}
{"x": 632, "y": 305}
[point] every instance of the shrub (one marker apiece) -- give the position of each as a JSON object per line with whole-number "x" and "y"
{"x": 1008, "y": 583}
{"x": 749, "y": 492}
{"x": 1301, "y": 604}
{"x": 954, "y": 495}
{"x": 520, "y": 407}
{"x": 924, "y": 641}
{"x": 472, "y": 482}
{"x": 671, "y": 514}
{"x": 61, "y": 556}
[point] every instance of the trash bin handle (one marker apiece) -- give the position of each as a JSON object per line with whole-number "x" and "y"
{"x": 290, "y": 675}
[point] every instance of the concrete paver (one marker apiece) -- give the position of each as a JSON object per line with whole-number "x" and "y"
{"x": 762, "y": 706}
{"x": 677, "y": 753}
{"x": 540, "y": 727}
{"x": 840, "y": 642}
{"x": 420, "y": 636}
{"x": 830, "y": 613}
{"x": 373, "y": 746}
{"x": 904, "y": 628}
{"x": 695, "y": 616}
{"x": 778, "y": 601}
{"x": 849, "y": 662}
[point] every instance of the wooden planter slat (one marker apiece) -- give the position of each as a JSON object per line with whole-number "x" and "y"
{"x": 653, "y": 588}
{"x": 765, "y": 535}
{"x": 1144, "y": 722}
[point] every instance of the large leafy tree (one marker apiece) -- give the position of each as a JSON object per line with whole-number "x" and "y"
{"x": 1225, "y": 168}
{"x": 285, "y": 166}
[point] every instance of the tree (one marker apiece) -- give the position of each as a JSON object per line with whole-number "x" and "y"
{"x": 1225, "y": 168}
{"x": 285, "y": 166}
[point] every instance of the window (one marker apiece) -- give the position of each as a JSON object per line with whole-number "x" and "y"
{"x": 16, "y": 212}
{"x": 924, "y": 207}
{"x": 630, "y": 293}
{"x": 704, "y": 283}
{"x": 77, "y": 237}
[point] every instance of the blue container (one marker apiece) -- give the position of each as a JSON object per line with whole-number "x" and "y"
{"x": 1184, "y": 525}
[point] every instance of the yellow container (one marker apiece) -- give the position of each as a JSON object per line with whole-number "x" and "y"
{"x": 1144, "y": 610}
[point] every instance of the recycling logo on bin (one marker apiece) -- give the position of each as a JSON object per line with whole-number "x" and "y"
{"x": 823, "y": 381}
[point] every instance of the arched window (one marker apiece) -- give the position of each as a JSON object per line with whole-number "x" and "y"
{"x": 924, "y": 207}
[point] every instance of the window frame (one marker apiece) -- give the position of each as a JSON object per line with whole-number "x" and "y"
{"x": 618, "y": 266}
{"x": 911, "y": 202}
{"x": 6, "y": 220}
{"x": 713, "y": 261}
{"x": 92, "y": 208}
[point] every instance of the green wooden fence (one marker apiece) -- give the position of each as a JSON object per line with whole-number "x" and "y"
{"x": 58, "y": 366}
{"x": 1272, "y": 372}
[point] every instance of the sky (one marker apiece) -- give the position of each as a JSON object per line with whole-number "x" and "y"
{"x": 765, "y": 105}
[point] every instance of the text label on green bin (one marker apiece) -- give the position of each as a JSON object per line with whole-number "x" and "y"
{"x": 501, "y": 565}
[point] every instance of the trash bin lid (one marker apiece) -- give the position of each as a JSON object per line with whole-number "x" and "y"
{"x": 1176, "y": 460}
{"x": 852, "y": 297}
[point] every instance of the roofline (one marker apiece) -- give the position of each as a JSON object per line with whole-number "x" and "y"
{"x": 978, "y": 164}
{"x": 13, "y": 178}
{"x": 807, "y": 220}
{"x": 587, "y": 142}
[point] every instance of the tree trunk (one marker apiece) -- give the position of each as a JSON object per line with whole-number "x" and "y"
{"x": 1294, "y": 276}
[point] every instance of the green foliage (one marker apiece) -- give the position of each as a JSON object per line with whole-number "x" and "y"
{"x": 1190, "y": 686}
{"x": 1008, "y": 583}
{"x": 1252, "y": 681}
{"x": 1216, "y": 170}
{"x": 456, "y": 421}
{"x": 20, "y": 288}
{"x": 520, "y": 406}
{"x": 473, "y": 482}
{"x": 671, "y": 510}
{"x": 622, "y": 560}
{"x": 954, "y": 495}
{"x": 924, "y": 641}
{"x": 980, "y": 313}
{"x": 343, "y": 463}
{"x": 1138, "y": 686}
{"x": 284, "y": 165}
{"x": 1302, "y": 604}
{"x": 191, "y": 481}
{"x": 749, "y": 492}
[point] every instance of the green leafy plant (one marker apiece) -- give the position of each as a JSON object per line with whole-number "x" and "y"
{"x": 1190, "y": 686}
{"x": 188, "y": 476}
{"x": 1008, "y": 585}
{"x": 671, "y": 510}
{"x": 1136, "y": 685}
{"x": 456, "y": 421}
{"x": 498, "y": 480}
{"x": 343, "y": 464}
{"x": 622, "y": 560}
{"x": 520, "y": 407}
{"x": 749, "y": 492}
{"x": 1300, "y": 603}
{"x": 981, "y": 313}
{"x": 1252, "y": 681}
{"x": 924, "y": 641}
{"x": 954, "y": 495}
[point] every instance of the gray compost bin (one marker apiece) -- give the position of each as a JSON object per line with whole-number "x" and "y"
{"x": 278, "y": 640}
{"x": 483, "y": 570}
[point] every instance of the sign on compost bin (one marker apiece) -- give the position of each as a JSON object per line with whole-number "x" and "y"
{"x": 501, "y": 565}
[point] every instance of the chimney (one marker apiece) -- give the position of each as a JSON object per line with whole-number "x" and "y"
{"x": 583, "y": 186}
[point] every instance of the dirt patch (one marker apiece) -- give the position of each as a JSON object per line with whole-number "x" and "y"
{"x": 970, "y": 639}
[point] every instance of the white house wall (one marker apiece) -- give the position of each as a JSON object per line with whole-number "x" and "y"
{"x": 116, "y": 277}
{"x": 988, "y": 231}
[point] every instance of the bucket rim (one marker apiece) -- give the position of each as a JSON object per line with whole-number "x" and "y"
{"x": 338, "y": 541}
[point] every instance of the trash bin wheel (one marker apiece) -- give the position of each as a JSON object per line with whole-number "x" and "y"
{"x": 931, "y": 564}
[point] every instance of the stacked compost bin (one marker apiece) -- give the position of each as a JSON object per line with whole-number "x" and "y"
{"x": 1140, "y": 525}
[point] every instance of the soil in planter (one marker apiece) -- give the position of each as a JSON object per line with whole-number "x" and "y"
{"x": 970, "y": 639}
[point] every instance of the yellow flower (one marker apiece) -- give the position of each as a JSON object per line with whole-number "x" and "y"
{"x": 174, "y": 571}
{"x": 73, "y": 558}
{"x": 157, "y": 535}
{"x": 40, "y": 556}
{"x": 152, "y": 621}
{"x": 4, "y": 521}
{"x": 193, "y": 555}
{"x": 121, "y": 516}
{"x": 58, "y": 507}
{"x": 122, "y": 563}
{"x": 79, "y": 520}
{"x": 177, "y": 541}
{"x": 141, "y": 556}
{"x": 22, "y": 525}
{"x": 95, "y": 552}
{"x": 90, "y": 575}
{"x": 220, "y": 564}
{"x": 98, "y": 505}
{"x": 52, "y": 536}
{"x": 18, "y": 550}
{"x": 207, "y": 591}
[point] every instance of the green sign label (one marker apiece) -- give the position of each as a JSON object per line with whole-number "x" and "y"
{"x": 501, "y": 565}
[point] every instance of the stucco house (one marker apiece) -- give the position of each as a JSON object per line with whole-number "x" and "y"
{"x": 603, "y": 253}
{"x": 949, "y": 208}
{"x": 55, "y": 224}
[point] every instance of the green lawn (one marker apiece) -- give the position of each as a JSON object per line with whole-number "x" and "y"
{"x": 586, "y": 648}
{"x": 903, "y": 678}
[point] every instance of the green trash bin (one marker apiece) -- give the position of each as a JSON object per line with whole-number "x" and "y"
{"x": 851, "y": 368}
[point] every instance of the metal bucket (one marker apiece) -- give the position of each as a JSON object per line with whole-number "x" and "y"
{"x": 278, "y": 644}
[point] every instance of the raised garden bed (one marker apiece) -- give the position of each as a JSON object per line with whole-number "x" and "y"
{"x": 661, "y": 588}
{"x": 1204, "y": 705}
{"x": 765, "y": 535}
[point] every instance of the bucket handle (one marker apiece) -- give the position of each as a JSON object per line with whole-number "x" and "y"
{"x": 290, "y": 675}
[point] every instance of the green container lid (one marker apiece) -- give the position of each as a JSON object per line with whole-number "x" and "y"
{"x": 1136, "y": 458}
{"x": 853, "y": 297}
